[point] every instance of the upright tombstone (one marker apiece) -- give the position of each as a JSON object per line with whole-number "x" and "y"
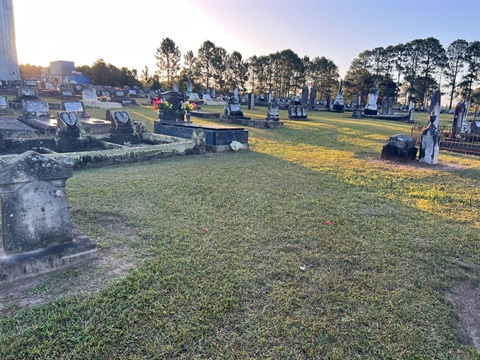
{"x": 430, "y": 138}
{"x": 359, "y": 100}
{"x": 89, "y": 97}
{"x": 26, "y": 92}
{"x": 3, "y": 103}
{"x": 297, "y": 111}
{"x": 232, "y": 110}
{"x": 276, "y": 95}
{"x": 273, "y": 111}
{"x": 411, "y": 109}
{"x": 357, "y": 112}
{"x": 9, "y": 69}
{"x": 339, "y": 104}
{"x": 460, "y": 123}
{"x": 385, "y": 106}
{"x": 390, "y": 105}
{"x": 304, "y": 98}
{"x": 70, "y": 135}
{"x": 189, "y": 87}
{"x": 313, "y": 96}
{"x": 251, "y": 101}
{"x": 270, "y": 96}
{"x": 235, "y": 95}
{"x": 371, "y": 107}
{"x": 4, "y": 107}
{"x": 36, "y": 225}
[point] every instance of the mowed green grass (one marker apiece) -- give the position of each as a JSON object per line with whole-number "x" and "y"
{"x": 308, "y": 246}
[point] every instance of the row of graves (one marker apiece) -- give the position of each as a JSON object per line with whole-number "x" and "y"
{"x": 428, "y": 140}
{"x": 88, "y": 141}
{"x": 40, "y": 152}
{"x": 211, "y": 138}
{"x": 234, "y": 115}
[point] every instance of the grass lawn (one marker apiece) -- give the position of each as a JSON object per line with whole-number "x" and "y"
{"x": 305, "y": 247}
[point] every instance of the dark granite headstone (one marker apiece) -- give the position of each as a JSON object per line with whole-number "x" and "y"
{"x": 385, "y": 106}
{"x": 400, "y": 148}
{"x": 176, "y": 113}
{"x": 304, "y": 98}
{"x": 313, "y": 96}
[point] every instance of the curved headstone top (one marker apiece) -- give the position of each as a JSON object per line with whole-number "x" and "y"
{"x": 68, "y": 117}
{"x": 121, "y": 116}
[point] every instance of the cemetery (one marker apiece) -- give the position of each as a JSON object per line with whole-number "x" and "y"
{"x": 201, "y": 220}
{"x": 330, "y": 228}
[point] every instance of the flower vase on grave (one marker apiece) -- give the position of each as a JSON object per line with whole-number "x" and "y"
{"x": 188, "y": 116}
{"x": 161, "y": 115}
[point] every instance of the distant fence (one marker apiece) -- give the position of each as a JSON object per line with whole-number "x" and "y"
{"x": 467, "y": 143}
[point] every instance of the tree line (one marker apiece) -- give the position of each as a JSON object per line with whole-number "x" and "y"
{"x": 416, "y": 69}
{"x": 408, "y": 70}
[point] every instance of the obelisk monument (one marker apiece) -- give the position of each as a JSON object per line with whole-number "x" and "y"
{"x": 9, "y": 69}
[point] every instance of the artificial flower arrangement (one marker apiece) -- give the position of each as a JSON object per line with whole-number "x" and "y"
{"x": 163, "y": 105}
{"x": 189, "y": 106}
{"x": 104, "y": 98}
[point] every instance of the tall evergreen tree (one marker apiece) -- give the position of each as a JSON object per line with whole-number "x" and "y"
{"x": 206, "y": 61}
{"x": 168, "y": 59}
{"x": 456, "y": 52}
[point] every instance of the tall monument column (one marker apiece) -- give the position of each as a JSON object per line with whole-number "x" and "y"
{"x": 9, "y": 69}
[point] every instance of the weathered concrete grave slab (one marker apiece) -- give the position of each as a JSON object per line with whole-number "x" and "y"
{"x": 36, "y": 226}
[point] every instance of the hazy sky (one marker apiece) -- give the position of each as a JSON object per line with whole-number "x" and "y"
{"x": 128, "y": 32}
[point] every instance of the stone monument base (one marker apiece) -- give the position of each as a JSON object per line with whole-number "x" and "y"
{"x": 48, "y": 259}
{"x": 217, "y": 138}
{"x": 206, "y": 114}
{"x": 261, "y": 124}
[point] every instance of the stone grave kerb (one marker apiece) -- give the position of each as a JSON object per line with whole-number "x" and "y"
{"x": 35, "y": 213}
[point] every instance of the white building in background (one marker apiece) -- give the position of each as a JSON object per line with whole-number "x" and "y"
{"x": 9, "y": 69}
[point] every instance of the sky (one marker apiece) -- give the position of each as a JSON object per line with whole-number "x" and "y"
{"x": 128, "y": 32}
